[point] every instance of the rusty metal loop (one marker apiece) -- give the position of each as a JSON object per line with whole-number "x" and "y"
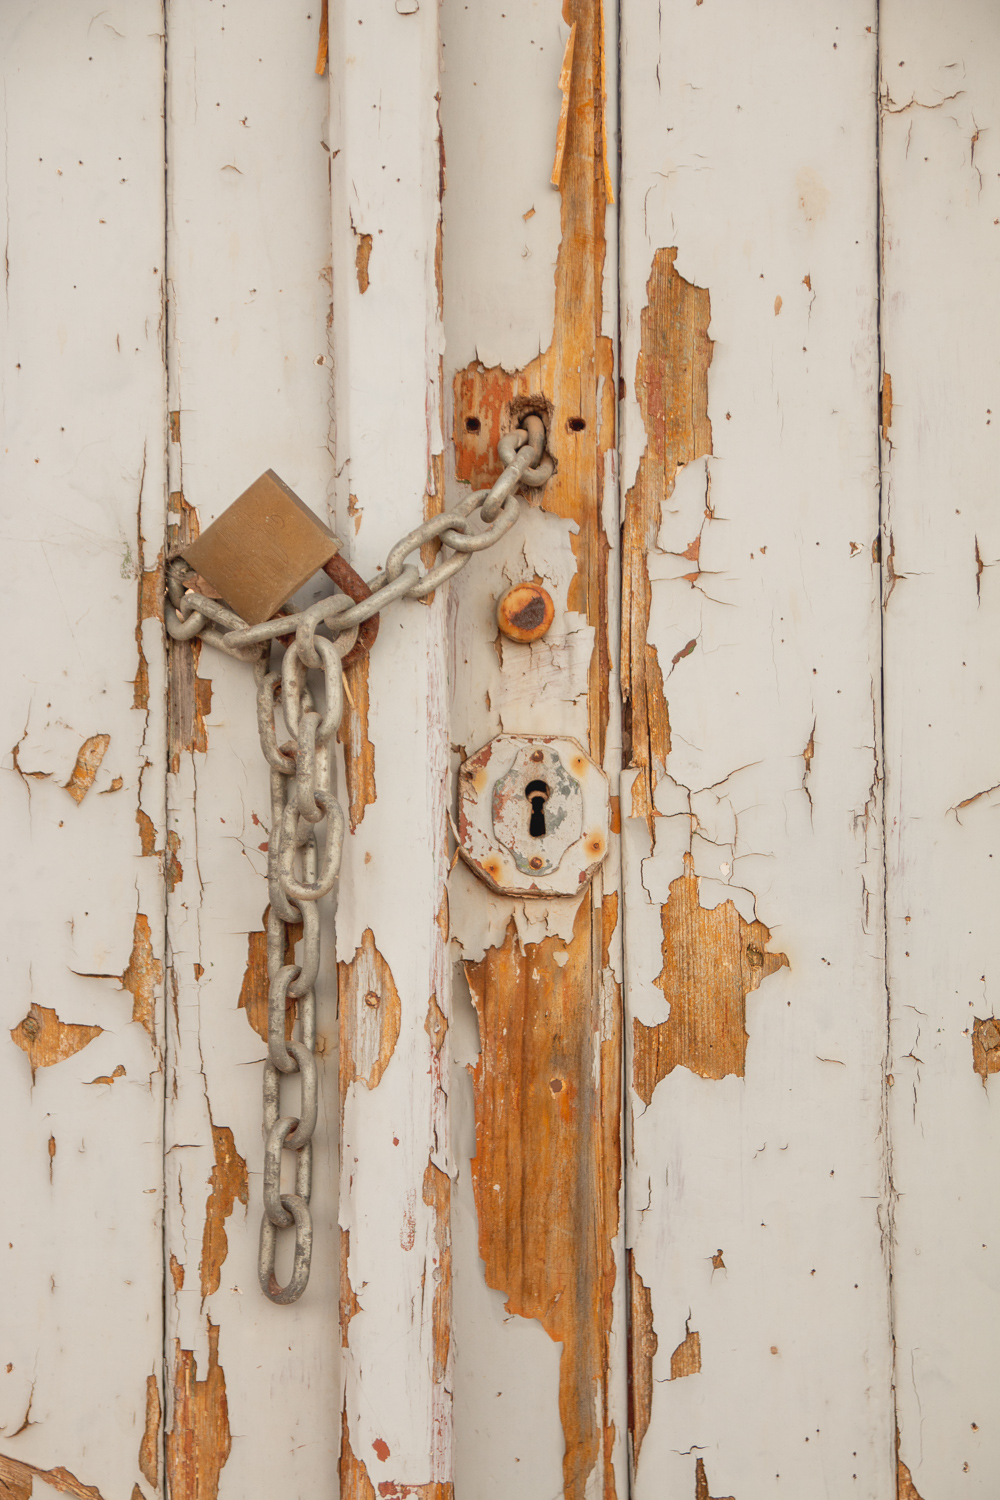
{"x": 340, "y": 572}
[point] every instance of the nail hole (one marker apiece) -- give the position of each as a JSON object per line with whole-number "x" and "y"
{"x": 472, "y": 424}
{"x": 576, "y": 424}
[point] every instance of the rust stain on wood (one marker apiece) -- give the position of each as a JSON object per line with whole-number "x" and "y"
{"x": 369, "y": 1016}
{"x": 227, "y": 1187}
{"x": 143, "y": 974}
{"x": 546, "y": 1171}
{"x": 198, "y": 1442}
{"x": 189, "y": 697}
{"x": 17, "y": 1478}
{"x": 701, "y": 1484}
{"x": 712, "y": 959}
{"x": 686, "y": 1358}
{"x": 88, "y": 763}
{"x": 149, "y": 1447}
{"x": 671, "y": 386}
{"x": 985, "y": 1046}
{"x": 47, "y": 1040}
{"x": 254, "y": 989}
{"x": 362, "y": 256}
{"x": 643, "y": 1345}
{"x": 359, "y": 752}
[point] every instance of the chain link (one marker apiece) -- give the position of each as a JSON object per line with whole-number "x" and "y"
{"x": 302, "y": 798}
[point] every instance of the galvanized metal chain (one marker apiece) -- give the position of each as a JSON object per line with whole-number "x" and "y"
{"x": 302, "y": 797}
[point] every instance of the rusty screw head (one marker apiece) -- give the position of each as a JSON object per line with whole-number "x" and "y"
{"x": 525, "y": 612}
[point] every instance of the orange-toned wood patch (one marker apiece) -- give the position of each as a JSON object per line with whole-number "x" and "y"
{"x": 359, "y": 752}
{"x": 88, "y": 763}
{"x": 712, "y": 959}
{"x": 546, "y": 1170}
{"x": 47, "y": 1040}
{"x": 149, "y": 1446}
{"x": 671, "y": 387}
{"x": 143, "y": 974}
{"x": 198, "y": 1442}
{"x": 369, "y": 1016}
{"x": 228, "y": 1186}
{"x": 643, "y": 1345}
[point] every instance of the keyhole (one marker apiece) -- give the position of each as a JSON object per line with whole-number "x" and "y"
{"x": 537, "y": 793}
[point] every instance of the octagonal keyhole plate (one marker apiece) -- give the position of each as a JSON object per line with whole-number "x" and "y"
{"x": 533, "y": 815}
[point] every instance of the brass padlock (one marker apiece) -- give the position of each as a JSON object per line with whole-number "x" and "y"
{"x": 261, "y": 550}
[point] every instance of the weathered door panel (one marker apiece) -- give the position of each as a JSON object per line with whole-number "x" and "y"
{"x": 530, "y": 312}
{"x": 251, "y": 1386}
{"x": 751, "y": 820}
{"x": 392, "y": 918}
{"x": 940, "y": 164}
{"x": 83, "y": 478}
{"x": 678, "y": 1188}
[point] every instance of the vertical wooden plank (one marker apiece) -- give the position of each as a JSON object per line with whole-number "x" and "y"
{"x": 529, "y": 261}
{"x": 251, "y": 1385}
{"x": 940, "y": 172}
{"x": 82, "y": 475}
{"x": 392, "y": 914}
{"x": 751, "y": 819}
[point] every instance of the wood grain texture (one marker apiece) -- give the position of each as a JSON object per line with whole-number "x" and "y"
{"x": 940, "y": 159}
{"x": 82, "y": 733}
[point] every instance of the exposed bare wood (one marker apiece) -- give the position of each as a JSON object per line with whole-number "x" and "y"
{"x": 198, "y": 1442}
{"x": 228, "y": 1187}
{"x": 546, "y": 1187}
{"x": 16, "y": 1480}
{"x": 643, "y": 1344}
{"x": 547, "y": 1109}
{"x": 149, "y": 1446}
{"x": 701, "y": 1484}
{"x": 88, "y": 763}
{"x": 712, "y": 959}
{"x": 47, "y": 1040}
{"x": 686, "y": 1358}
{"x": 671, "y": 387}
{"x": 369, "y": 1016}
{"x": 143, "y": 976}
{"x": 359, "y": 752}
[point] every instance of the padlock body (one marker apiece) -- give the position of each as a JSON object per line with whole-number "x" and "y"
{"x": 261, "y": 550}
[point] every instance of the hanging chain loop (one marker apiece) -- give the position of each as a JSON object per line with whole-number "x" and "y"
{"x": 302, "y": 798}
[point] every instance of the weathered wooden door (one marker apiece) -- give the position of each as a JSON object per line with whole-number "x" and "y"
{"x": 679, "y": 1188}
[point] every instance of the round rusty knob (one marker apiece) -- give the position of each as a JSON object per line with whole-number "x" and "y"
{"x": 525, "y": 612}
